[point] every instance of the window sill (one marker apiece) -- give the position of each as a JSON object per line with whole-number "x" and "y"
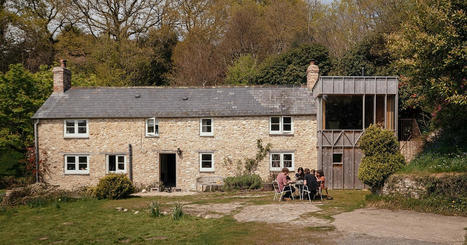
{"x": 207, "y": 135}
{"x": 207, "y": 171}
{"x": 281, "y": 134}
{"x": 152, "y": 136}
{"x": 76, "y": 137}
{"x": 83, "y": 174}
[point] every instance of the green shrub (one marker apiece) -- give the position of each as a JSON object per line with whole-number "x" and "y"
{"x": 243, "y": 182}
{"x": 437, "y": 163}
{"x": 382, "y": 157}
{"x": 177, "y": 212}
{"x": 114, "y": 186}
{"x": 155, "y": 209}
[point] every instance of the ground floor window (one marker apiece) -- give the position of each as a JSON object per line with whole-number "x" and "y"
{"x": 76, "y": 164}
{"x": 116, "y": 164}
{"x": 281, "y": 160}
{"x": 206, "y": 162}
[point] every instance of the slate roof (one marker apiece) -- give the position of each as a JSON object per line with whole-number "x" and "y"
{"x": 142, "y": 102}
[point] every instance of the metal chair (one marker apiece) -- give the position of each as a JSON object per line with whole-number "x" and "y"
{"x": 280, "y": 193}
{"x": 306, "y": 191}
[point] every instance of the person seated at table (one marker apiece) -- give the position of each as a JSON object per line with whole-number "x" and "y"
{"x": 299, "y": 175}
{"x": 313, "y": 172}
{"x": 321, "y": 180}
{"x": 311, "y": 183}
{"x": 283, "y": 180}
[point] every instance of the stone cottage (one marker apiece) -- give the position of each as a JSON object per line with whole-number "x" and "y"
{"x": 176, "y": 135}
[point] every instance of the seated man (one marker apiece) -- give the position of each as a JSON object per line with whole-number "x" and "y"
{"x": 311, "y": 183}
{"x": 284, "y": 182}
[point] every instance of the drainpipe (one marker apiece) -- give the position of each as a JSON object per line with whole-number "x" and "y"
{"x": 130, "y": 162}
{"x": 36, "y": 148}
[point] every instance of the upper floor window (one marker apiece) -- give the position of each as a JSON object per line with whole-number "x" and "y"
{"x": 76, "y": 128}
{"x": 152, "y": 127}
{"x": 281, "y": 160}
{"x": 116, "y": 164}
{"x": 281, "y": 125}
{"x": 206, "y": 162}
{"x": 206, "y": 127}
{"x": 76, "y": 164}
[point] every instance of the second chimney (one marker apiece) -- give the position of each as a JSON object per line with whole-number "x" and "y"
{"x": 62, "y": 78}
{"x": 312, "y": 74}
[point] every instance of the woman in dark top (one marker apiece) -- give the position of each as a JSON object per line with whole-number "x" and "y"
{"x": 300, "y": 175}
{"x": 310, "y": 182}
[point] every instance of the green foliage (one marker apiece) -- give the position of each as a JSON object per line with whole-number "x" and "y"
{"x": 155, "y": 209}
{"x": 177, "y": 212}
{"x": 430, "y": 53}
{"x": 437, "y": 163}
{"x": 371, "y": 54}
{"x": 243, "y": 182}
{"x": 290, "y": 68}
{"x": 376, "y": 141}
{"x": 21, "y": 94}
{"x": 382, "y": 157}
{"x": 114, "y": 186}
{"x": 9, "y": 163}
{"x": 243, "y": 71}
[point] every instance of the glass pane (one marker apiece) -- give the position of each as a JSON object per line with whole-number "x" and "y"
{"x": 83, "y": 166}
{"x": 157, "y": 129}
{"x": 206, "y": 164}
{"x": 287, "y": 164}
{"x": 121, "y": 166}
{"x": 81, "y": 123}
{"x": 275, "y": 120}
{"x": 70, "y": 130}
{"x": 287, "y": 120}
{"x": 83, "y": 159}
{"x": 343, "y": 112}
{"x": 150, "y": 126}
{"x": 70, "y": 166}
{"x": 70, "y": 123}
{"x": 121, "y": 159}
{"x": 287, "y": 127}
{"x": 275, "y": 127}
{"x": 112, "y": 163}
{"x": 70, "y": 159}
{"x": 206, "y": 129}
{"x": 276, "y": 160}
{"x": 288, "y": 157}
{"x": 206, "y": 157}
{"x": 337, "y": 157}
{"x": 81, "y": 130}
{"x": 206, "y": 122}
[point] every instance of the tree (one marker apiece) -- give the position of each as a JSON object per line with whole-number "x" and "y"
{"x": 290, "y": 67}
{"x": 430, "y": 51}
{"x": 21, "y": 94}
{"x": 243, "y": 71}
{"x": 119, "y": 19}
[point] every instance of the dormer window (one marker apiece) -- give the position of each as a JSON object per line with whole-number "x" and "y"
{"x": 152, "y": 127}
{"x": 76, "y": 128}
{"x": 281, "y": 125}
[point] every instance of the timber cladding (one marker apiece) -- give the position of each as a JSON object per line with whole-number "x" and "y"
{"x": 234, "y": 138}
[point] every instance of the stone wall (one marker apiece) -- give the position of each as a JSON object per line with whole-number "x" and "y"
{"x": 234, "y": 138}
{"x": 410, "y": 149}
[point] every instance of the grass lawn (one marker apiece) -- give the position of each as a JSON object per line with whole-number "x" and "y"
{"x": 430, "y": 162}
{"x": 91, "y": 221}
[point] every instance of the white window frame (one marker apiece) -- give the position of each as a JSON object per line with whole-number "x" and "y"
{"x": 76, "y": 134}
{"x": 201, "y": 133}
{"x": 201, "y": 169}
{"x": 281, "y": 125}
{"x": 117, "y": 171}
{"x": 281, "y": 161}
{"x": 76, "y": 171}
{"x": 156, "y": 127}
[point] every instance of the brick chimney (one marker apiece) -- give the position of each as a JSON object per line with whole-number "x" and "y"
{"x": 312, "y": 75}
{"x": 62, "y": 78}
